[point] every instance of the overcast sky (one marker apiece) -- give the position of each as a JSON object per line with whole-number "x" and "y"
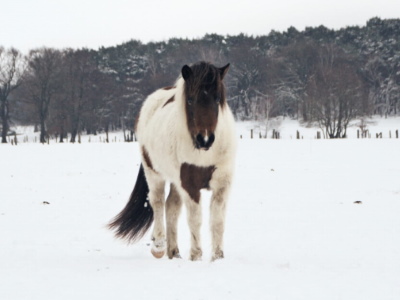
{"x": 28, "y": 24}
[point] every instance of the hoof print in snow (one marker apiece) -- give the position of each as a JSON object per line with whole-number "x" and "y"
{"x": 45, "y": 203}
{"x": 357, "y": 202}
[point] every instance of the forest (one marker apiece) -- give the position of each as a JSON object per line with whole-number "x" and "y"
{"x": 319, "y": 76}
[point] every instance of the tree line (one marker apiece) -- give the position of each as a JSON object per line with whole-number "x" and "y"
{"x": 320, "y": 76}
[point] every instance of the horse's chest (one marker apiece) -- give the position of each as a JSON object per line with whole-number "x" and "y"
{"x": 194, "y": 178}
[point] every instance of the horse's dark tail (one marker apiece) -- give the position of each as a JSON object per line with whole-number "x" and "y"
{"x": 136, "y": 218}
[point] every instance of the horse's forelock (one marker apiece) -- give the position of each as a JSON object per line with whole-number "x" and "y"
{"x": 205, "y": 75}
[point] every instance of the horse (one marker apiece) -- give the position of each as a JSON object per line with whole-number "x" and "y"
{"x": 186, "y": 138}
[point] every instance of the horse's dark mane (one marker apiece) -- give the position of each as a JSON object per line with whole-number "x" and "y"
{"x": 206, "y": 75}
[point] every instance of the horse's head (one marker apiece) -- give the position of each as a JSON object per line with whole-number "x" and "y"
{"x": 204, "y": 95}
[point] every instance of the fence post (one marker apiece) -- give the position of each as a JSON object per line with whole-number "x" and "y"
{"x": 397, "y": 134}
{"x": 251, "y": 133}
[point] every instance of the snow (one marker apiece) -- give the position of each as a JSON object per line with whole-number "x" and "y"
{"x": 293, "y": 228}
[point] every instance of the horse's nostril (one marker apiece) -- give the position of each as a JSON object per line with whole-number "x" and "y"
{"x": 211, "y": 139}
{"x": 199, "y": 138}
{"x": 200, "y": 143}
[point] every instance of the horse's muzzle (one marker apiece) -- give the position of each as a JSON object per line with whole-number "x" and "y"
{"x": 204, "y": 142}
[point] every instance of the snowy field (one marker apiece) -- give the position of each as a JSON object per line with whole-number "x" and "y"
{"x": 307, "y": 219}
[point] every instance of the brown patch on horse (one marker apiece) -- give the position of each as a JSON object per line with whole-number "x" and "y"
{"x": 147, "y": 159}
{"x": 194, "y": 178}
{"x": 167, "y": 88}
{"x": 170, "y": 100}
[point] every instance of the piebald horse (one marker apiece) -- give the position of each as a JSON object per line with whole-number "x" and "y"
{"x": 186, "y": 138}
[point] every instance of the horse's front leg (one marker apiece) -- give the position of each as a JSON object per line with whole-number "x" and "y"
{"x": 217, "y": 220}
{"x": 173, "y": 209}
{"x": 156, "y": 198}
{"x": 194, "y": 221}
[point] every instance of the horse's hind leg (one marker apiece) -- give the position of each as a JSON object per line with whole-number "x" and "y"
{"x": 156, "y": 198}
{"x": 173, "y": 210}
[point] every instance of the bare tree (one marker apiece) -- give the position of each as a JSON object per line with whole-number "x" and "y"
{"x": 295, "y": 68}
{"x": 43, "y": 82}
{"x": 12, "y": 66}
{"x": 337, "y": 91}
{"x": 383, "y": 79}
{"x": 246, "y": 74}
{"x": 77, "y": 71}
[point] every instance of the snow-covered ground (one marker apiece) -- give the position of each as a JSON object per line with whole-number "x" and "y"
{"x": 293, "y": 228}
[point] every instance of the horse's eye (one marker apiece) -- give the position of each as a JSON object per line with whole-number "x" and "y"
{"x": 190, "y": 101}
{"x": 218, "y": 99}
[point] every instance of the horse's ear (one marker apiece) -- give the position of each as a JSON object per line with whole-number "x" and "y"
{"x": 224, "y": 70}
{"x": 186, "y": 72}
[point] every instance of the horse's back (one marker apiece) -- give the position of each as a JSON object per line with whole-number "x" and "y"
{"x": 154, "y": 103}
{"x": 156, "y": 131}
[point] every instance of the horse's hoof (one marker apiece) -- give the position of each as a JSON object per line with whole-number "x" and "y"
{"x": 157, "y": 254}
{"x": 174, "y": 254}
{"x": 219, "y": 254}
{"x": 158, "y": 248}
{"x": 196, "y": 256}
